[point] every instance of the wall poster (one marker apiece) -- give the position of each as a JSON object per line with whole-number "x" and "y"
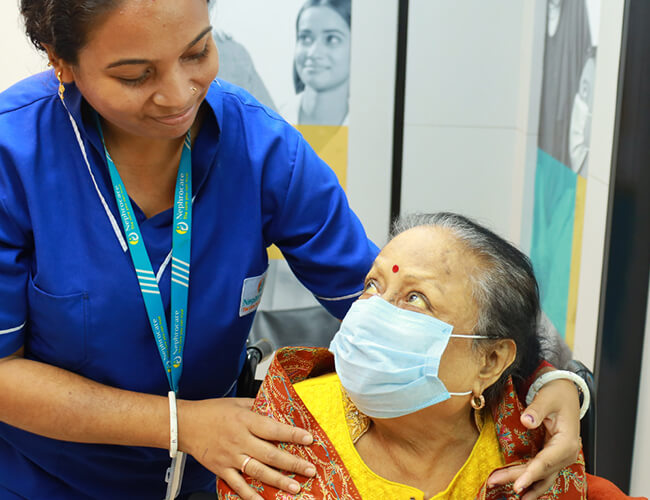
{"x": 563, "y": 157}
{"x": 294, "y": 57}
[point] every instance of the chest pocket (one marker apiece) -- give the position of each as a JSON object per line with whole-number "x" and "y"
{"x": 58, "y": 326}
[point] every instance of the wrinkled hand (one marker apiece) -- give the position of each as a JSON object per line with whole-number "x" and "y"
{"x": 222, "y": 433}
{"x": 557, "y": 406}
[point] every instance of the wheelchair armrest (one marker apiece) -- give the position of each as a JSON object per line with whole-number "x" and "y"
{"x": 247, "y": 384}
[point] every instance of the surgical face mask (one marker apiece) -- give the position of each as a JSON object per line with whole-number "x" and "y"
{"x": 578, "y": 133}
{"x": 388, "y": 358}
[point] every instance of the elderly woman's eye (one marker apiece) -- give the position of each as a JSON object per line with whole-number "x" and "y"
{"x": 371, "y": 287}
{"x": 415, "y": 299}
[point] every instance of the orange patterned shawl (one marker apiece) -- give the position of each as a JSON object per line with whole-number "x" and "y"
{"x": 278, "y": 400}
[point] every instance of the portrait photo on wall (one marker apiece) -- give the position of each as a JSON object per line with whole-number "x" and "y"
{"x": 568, "y": 80}
{"x": 293, "y": 56}
{"x": 569, "y": 70}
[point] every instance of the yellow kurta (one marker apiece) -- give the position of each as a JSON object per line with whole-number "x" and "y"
{"x": 344, "y": 424}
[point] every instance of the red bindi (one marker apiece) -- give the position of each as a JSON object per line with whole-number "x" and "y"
{"x": 395, "y": 268}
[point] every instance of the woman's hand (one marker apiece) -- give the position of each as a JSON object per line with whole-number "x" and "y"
{"x": 557, "y": 406}
{"x": 222, "y": 433}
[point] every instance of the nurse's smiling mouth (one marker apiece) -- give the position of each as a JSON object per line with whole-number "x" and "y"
{"x": 178, "y": 118}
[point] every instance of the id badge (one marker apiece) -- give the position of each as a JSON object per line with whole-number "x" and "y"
{"x": 174, "y": 476}
{"x": 251, "y": 294}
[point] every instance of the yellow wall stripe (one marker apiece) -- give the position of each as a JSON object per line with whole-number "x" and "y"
{"x": 576, "y": 252}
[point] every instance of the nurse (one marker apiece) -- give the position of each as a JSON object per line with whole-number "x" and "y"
{"x": 137, "y": 198}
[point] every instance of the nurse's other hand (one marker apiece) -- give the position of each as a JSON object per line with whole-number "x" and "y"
{"x": 557, "y": 407}
{"x": 222, "y": 433}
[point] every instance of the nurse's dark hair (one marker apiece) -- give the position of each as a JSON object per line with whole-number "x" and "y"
{"x": 505, "y": 290}
{"x": 64, "y": 25}
{"x": 342, "y": 7}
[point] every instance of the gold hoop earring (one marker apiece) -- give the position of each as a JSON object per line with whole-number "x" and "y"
{"x": 61, "y": 86}
{"x": 194, "y": 90}
{"x": 478, "y": 402}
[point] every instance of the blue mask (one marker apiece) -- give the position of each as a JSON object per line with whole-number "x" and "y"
{"x": 387, "y": 358}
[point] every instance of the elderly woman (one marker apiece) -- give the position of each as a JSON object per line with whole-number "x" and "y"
{"x": 422, "y": 404}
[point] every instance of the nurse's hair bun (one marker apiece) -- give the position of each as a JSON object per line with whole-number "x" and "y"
{"x": 64, "y": 25}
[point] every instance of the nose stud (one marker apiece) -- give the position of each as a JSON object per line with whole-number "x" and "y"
{"x": 194, "y": 90}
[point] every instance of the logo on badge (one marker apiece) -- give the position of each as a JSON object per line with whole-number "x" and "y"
{"x": 251, "y": 294}
{"x": 182, "y": 227}
{"x": 133, "y": 238}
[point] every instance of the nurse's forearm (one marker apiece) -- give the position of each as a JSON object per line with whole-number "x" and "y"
{"x": 59, "y": 404}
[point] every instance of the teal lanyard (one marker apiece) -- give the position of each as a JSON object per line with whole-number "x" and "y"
{"x": 170, "y": 345}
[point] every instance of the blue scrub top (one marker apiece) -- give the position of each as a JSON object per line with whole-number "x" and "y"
{"x": 70, "y": 296}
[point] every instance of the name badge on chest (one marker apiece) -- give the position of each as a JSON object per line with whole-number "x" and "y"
{"x": 251, "y": 294}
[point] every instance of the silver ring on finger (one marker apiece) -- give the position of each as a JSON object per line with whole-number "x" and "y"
{"x": 245, "y": 463}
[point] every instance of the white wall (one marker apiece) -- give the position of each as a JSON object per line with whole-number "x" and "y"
{"x": 19, "y": 57}
{"x": 372, "y": 97}
{"x": 472, "y": 99}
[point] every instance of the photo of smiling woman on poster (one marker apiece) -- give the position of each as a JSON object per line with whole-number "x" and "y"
{"x": 321, "y": 69}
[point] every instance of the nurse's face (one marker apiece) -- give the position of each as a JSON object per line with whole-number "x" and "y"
{"x": 147, "y": 66}
{"x": 322, "y": 49}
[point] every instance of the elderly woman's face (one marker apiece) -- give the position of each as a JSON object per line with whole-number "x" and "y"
{"x": 427, "y": 270}
{"x": 322, "y": 49}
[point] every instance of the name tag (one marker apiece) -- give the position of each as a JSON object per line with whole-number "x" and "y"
{"x": 251, "y": 294}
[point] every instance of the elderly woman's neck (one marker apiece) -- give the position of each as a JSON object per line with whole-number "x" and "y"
{"x": 422, "y": 452}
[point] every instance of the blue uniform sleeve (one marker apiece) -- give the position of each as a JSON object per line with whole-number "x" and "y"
{"x": 321, "y": 238}
{"x": 14, "y": 272}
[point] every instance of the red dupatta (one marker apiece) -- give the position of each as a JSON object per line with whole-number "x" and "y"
{"x": 278, "y": 399}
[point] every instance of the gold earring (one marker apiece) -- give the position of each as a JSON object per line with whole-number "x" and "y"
{"x": 61, "y": 86}
{"x": 194, "y": 90}
{"x": 477, "y": 402}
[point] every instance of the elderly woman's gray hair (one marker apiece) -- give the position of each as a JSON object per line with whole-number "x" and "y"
{"x": 504, "y": 288}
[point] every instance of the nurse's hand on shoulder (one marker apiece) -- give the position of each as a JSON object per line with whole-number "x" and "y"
{"x": 222, "y": 433}
{"x": 557, "y": 407}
